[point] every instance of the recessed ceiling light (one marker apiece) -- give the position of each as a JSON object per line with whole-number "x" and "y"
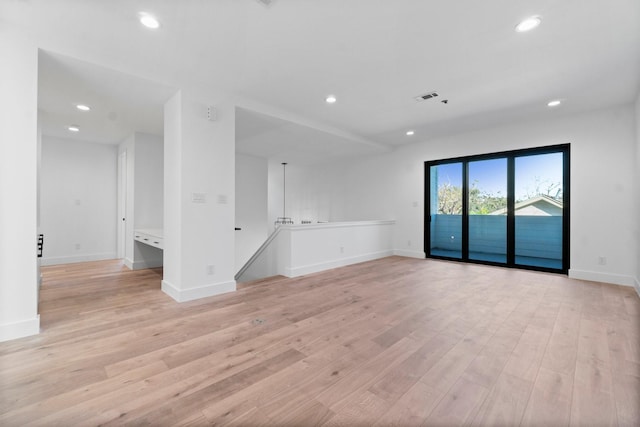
{"x": 149, "y": 21}
{"x": 528, "y": 24}
{"x": 73, "y": 128}
{"x": 83, "y": 107}
{"x": 331, "y": 99}
{"x": 410, "y": 133}
{"x": 554, "y": 103}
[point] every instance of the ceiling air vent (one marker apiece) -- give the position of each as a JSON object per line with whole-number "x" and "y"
{"x": 426, "y": 96}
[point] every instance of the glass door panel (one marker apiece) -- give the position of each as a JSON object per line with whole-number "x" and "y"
{"x": 445, "y": 210}
{"x": 487, "y": 204}
{"x": 539, "y": 210}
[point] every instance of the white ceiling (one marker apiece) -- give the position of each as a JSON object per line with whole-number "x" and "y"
{"x": 120, "y": 103}
{"x": 375, "y": 56}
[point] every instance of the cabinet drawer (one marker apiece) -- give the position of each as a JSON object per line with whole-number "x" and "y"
{"x": 148, "y": 239}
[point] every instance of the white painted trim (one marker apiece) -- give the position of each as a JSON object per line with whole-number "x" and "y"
{"x": 314, "y": 268}
{"x": 409, "y": 254}
{"x": 594, "y": 276}
{"x": 636, "y": 285}
{"x": 297, "y": 227}
{"x": 78, "y": 258}
{"x": 23, "y": 328}
{"x": 183, "y": 295}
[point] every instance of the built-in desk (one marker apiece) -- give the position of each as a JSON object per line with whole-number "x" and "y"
{"x": 152, "y": 237}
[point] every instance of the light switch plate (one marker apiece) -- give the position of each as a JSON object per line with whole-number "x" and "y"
{"x": 199, "y": 197}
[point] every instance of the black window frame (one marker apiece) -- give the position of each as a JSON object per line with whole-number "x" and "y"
{"x": 511, "y": 155}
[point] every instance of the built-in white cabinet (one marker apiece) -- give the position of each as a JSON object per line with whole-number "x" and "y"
{"x": 151, "y": 237}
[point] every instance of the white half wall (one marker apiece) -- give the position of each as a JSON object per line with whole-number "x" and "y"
{"x": 251, "y": 206}
{"x": 78, "y": 201}
{"x": 320, "y": 247}
{"x": 297, "y": 250}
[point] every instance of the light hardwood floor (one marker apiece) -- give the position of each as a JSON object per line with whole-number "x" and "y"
{"x": 396, "y": 341}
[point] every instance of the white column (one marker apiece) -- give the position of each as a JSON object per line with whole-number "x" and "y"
{"x": 18, "y": 186}
{"x": 199, "y": 192}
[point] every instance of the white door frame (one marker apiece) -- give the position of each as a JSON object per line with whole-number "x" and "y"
{"x": 122, "y": 203}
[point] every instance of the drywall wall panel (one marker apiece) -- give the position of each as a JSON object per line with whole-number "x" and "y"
{"x": 251, "y": 206}
{"x": 78, "y": 201}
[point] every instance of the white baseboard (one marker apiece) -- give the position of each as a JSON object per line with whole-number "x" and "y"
{"x": 77, "y": 258}
{"x": 594, "y": 276}
{"x": 183, "y": 295}
{"x": 23, "y": 328}
{"x": 409, "y": 254}
{"x": 315, "y": 268}
{"x": 140, "y": 265}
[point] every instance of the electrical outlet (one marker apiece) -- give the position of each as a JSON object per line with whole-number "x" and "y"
{"x": 77, "y": 246}
{"x": 211, "y": 269}
{"x": 341, "y": 249}
{"x": 409, "y": 243}
{"x": 602, "y": 260}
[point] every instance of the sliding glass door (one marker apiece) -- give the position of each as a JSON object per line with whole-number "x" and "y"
{"x": 539, "y": 210}
{"x": 446, "y": 207}
{"x": 487, "y": 199}
{"x": 506, "y": 208}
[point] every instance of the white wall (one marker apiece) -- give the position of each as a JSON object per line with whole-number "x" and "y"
{"x": 38, "y": 196}
{"x": 637, "y": 194}
{"x": 251, "y": 206}
{"x": 199, "y": 159}
{"x": 18, "y": 186}
{"x": 144, "y": 198}
{"x": 148, "y": 190}
{"x": 172, "y": 271}
{"x": 604, "y": 220}
{"x": 602, "y": 174}
{"x": 149, "y": 178}
{"x": 78, "y": 201}
{"x": 313, "y": 192}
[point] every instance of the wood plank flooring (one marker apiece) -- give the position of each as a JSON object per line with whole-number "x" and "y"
{"x": 392, "y": 342}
